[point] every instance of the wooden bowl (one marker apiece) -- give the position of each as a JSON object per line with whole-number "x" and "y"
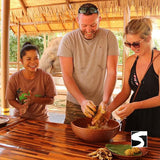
{"x": 81, "y": 130}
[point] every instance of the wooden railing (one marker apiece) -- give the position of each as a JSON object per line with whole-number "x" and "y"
{"x": 13, "y": 68}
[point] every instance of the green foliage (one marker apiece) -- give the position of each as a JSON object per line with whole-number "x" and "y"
{"x": 119, "y": 36}
{"x": 35, "y": 40}
{"x": 12, "y": 47}
{"x": 156, "y": 43}
{"x": 38, "y": 41}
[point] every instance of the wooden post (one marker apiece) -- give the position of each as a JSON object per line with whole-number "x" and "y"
{"x": 18, "y": 48}
{"x": 48, "y": 39}
{"x": 4, "y": 54}
{"x": 44, "y": 41}
{"x": 125, "y": 52}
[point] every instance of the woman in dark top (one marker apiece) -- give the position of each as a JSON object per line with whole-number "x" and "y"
{"x": 143, "y": 111}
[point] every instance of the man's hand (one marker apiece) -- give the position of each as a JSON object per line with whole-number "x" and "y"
{"x": 88, "y": 108}
{"x": 102, "y": 115}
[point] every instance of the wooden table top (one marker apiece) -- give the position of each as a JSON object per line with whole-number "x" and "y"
{"x": 24, "y": 139}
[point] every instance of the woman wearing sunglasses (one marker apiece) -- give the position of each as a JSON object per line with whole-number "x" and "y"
{"x": 142, "y": 71}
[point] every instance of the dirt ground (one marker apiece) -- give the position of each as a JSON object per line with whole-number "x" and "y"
{"x": 59, "y": 104}
{"x": 56, "y": 111}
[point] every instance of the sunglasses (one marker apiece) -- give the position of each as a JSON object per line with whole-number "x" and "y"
{"x": 88, "y": 10}
{"x": 134, "y": 44}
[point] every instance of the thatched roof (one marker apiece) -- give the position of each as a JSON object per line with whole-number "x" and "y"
{"x": 41, "y": 16}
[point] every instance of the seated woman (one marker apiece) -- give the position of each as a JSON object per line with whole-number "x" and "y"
{"x": 30, "y": 89}
{"x": 142, "y": 71}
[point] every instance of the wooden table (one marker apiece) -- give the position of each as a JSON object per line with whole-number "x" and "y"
{"x": 24, "y": 139}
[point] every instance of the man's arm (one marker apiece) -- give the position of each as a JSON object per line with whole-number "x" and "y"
{"x": 109, "y": 85}
{"x": 110, "y": 78}
{"x": 67, "y": 71}
{"x": 87, "y": 106}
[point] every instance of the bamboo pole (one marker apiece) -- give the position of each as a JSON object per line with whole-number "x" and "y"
{"x": 48, "y": 39}
{"x": 44, "y": 42}
{"x": 125, "y": 52}
{"x": 18, "y": 48}
{"x": 4, "y": 54}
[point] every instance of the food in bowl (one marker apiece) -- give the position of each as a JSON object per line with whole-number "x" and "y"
{"x": 81, "y": 130}
{"x": 99, "y": 126}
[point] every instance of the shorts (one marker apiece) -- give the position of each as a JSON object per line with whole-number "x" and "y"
{"x": 73, "y": 112}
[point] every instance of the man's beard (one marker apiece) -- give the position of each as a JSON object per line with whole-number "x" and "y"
{"x": 93, "y": 33}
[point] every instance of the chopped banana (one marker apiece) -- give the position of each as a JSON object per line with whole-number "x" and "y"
{"x": 132, "y": 151}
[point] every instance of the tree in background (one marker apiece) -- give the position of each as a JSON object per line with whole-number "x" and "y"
{"x": 38, "y": 41}
{"x": 35, "y": 40}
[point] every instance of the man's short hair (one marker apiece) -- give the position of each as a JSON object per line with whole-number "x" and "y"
{"x": 88, "y": 9}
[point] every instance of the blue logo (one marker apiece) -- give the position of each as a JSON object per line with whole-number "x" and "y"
{"x": 139, "y": 138}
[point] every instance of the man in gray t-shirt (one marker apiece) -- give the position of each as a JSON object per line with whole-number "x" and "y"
{"x": 88, "y": 58}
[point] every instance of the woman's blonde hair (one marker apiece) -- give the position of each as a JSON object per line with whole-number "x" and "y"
{"x": 142, "y": 26}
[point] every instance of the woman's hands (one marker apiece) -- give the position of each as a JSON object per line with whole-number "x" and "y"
{"x": 125, "y": 110}
{"x": 104, "y": 113}
{"x": 22, "y": 109}
{"x": 29, "y": 100}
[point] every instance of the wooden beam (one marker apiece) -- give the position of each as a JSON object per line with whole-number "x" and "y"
{"x": 68, "y": 4}
{"x": 46, "y": 21}
{"x": 19, "y": 24}
{"x": 62, "y": 23}
{"x": 35, "y": 27}
{"x": 65, "y": 3}
{"x": 70, "y": 9}
{"x": 24, "y": 29}
{"x": 24, "y": 8}
{"x": 70, "y": 21}
{"x": 67, "y": 30}
{"x": 12, "y": 29}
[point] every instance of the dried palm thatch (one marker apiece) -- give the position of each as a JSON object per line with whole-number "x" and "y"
{"x": 36, "y": 17}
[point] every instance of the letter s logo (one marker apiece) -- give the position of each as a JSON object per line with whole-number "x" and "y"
{"x": 139, "y": 138}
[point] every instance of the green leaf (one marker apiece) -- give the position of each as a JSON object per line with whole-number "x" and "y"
{"x": 118, "y": 148}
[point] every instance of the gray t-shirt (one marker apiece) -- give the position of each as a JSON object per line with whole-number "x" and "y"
{"x": 89, "y": 61}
